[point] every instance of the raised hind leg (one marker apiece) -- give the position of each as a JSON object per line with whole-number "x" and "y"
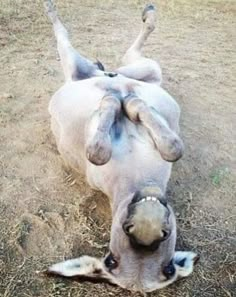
{"x": 74, "y": 65}
{"x": 136, "y": 66}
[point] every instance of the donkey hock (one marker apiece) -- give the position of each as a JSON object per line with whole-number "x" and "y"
{"x": 121, "y": 129}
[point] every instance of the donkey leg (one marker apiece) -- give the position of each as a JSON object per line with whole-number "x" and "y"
{"x": 99, "y": 145}
{"x": 74, "y": 65}
{"x": 167, "y": 142}
{"x": 136, "y": 65}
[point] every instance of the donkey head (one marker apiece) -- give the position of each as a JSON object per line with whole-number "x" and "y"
{"x": 142, "y": 253}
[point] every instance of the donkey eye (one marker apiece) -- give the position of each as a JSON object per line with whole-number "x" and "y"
{"x": 110, "y": 262}
{"x": 169, "y": 270}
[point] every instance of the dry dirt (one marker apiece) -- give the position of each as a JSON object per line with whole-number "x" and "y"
{"x": 44, "y": 215}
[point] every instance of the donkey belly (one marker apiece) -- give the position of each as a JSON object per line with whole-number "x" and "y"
{"x": 135, "y": 162}
{"x": 71, "y": 108}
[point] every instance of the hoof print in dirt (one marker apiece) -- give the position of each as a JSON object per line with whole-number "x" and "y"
{"x": 41, "y": 235}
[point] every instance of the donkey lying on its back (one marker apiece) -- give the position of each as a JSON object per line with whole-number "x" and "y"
{"x": 121, "y": 129}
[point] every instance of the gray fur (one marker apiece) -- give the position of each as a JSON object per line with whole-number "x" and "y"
{"x": 121, "y": 131}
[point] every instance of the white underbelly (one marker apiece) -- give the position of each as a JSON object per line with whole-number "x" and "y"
{"x": 134, "y": 154}
{"x": 135, "y": 161}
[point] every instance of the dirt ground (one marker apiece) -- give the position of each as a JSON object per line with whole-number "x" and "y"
{"x": 45, "y": 215}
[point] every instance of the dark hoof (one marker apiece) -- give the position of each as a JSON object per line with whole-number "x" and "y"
{"x": 146, "y": 9}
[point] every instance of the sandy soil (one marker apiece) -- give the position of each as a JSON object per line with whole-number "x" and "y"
{"x": 44, "y": 214}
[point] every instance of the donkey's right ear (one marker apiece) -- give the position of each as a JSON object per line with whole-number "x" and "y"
{"x": 83, "y": 269}
{"x": 83, "y": 266}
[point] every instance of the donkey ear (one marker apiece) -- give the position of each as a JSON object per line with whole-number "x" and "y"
{"x": 185, "y": 262}
{"x": 83, "y": 266}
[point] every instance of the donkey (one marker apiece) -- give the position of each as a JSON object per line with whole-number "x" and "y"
{"x": 121, "y": 130}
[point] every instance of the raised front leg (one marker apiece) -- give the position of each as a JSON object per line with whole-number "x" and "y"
{"x": 99, "y": 146}
{"x": 166, "y": 140}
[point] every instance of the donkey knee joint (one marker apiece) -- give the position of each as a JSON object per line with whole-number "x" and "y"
{"x": 176, "y": 149}
{"x": 172, "y": 149}
{"x": 99, "y": 149}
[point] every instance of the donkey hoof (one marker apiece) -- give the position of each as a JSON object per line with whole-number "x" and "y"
{"x": 50, "y": 10}
{"x": 148, "y": 8}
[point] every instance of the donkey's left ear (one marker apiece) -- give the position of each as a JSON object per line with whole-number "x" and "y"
{"x": 185, "y": 262}
{"x": 84, "y": 266}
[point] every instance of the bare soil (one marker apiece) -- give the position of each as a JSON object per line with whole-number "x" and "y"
{"x": 45, "y": 215}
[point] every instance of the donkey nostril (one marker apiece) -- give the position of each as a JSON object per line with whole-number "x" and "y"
{"x": 126, "y": 227}
{"x": 165, "y": 234}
